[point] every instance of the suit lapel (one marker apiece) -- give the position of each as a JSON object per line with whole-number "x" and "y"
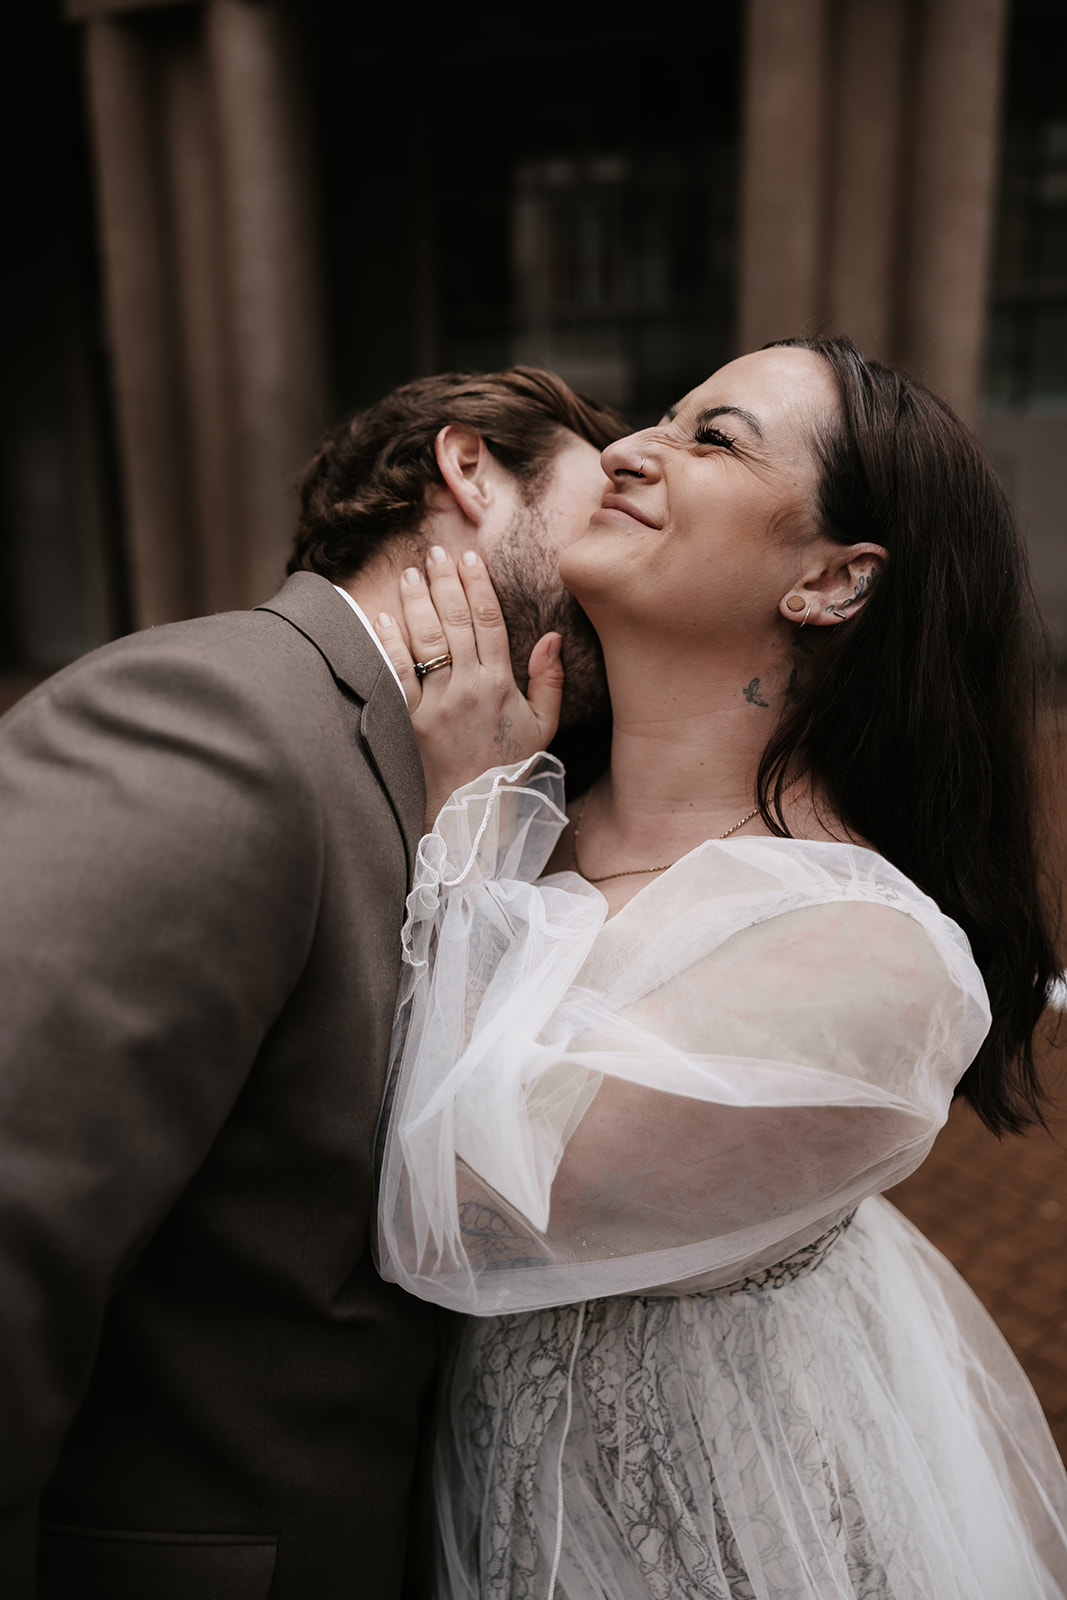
{"x": 396, "y": 757}
{"x": 311, "y": 604}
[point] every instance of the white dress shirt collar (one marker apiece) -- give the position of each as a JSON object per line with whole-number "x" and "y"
{"x": 362, "y": 615}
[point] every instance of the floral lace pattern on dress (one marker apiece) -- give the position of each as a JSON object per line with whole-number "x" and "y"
{"x": 628, "y": 1460}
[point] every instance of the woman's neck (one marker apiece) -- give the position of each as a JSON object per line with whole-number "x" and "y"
{"x": 690, "y": 728}
{"x": 687, "y": 740}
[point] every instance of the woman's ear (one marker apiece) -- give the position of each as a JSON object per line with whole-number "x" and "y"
{"x": 465, "y": 463}
{"x": 839, "y": 590}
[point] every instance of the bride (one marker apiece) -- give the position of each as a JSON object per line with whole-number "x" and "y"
{"x": 659, "y": 1056}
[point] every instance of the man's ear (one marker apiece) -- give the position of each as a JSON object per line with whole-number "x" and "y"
{"x": 465, "y": 463}
{"x": 840, "y": 589}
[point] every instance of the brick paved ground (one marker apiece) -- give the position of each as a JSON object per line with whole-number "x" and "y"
{"x": 998, "y": 1208}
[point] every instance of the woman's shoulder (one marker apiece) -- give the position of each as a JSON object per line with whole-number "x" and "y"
{"x": 835, "y": 864}
{"x": 848, "y": 874}
{"x": 765, "y": 867}
{"x": 853, "y": 902}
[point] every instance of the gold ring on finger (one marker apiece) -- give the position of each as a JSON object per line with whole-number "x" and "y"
{"x": 423, "y": 667}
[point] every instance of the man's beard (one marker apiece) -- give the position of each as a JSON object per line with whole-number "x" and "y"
{"x": 534, "y": 602}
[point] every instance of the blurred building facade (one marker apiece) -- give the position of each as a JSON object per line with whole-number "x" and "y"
{"x": 240, "y": 218}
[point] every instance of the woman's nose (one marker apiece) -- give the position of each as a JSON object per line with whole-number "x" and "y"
{"x": 629, "y": 457}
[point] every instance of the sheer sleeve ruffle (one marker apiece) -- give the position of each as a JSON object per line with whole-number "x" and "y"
{"x": 667, "y": 1100}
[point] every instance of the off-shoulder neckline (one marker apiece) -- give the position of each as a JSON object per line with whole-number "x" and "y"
{"x": 762, "y": 840}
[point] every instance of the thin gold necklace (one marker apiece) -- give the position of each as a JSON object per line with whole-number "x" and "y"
{"x": 640, "y": 872}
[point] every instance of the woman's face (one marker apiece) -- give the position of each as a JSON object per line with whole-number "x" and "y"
{"x": 710, "y": 514}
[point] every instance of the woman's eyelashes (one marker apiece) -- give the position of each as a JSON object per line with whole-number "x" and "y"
{"x": 707, "y": 433}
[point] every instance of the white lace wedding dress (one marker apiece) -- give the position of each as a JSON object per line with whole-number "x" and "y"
{"x": 705, "y": 1358}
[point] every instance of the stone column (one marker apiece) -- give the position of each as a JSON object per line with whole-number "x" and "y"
{"x": 208, "y": 209}
{"x": 864, "y": 173}
{"x": 868, "y": 181}
{"x": 783, "y": 184}
{"x": 952, "y": 183}
{"x": 191, "y": 161}
{"x": 269, "y": 234}
{"x": 139, "y": 296}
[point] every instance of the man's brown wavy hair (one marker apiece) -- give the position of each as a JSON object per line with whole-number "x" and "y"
{"x": 367, "y": 481}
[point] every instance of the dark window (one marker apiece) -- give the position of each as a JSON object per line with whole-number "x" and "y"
{"x": 1027, "y": 361}
{"x": 567, "y": 203}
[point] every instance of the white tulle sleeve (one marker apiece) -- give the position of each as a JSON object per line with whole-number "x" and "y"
{"x": 667, "y": 1100}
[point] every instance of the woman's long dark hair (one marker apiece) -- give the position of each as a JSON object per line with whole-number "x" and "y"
{"x": 921, "y": 717}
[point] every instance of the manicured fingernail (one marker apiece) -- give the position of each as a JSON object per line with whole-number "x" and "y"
{"x": 438, "y": 554}
{"x": 413, "y": 576}
{"x": 384, "y": 620}
{"x": 470, "y": 558}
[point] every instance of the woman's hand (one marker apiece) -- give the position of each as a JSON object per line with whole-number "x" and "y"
{"x": 468, "y": 714}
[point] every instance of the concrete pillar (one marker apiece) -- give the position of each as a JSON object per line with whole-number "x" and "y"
{"x": 208, "y": 226}
{"x": 869, "y": 175}
{"x": 138, "y": 288}
{"x": 865, "y": 178}
{"x": 187, "y": 111}
{"x": 783, "y": 185}
{"x": 269, "y": 234}
{"x": 952, "y": 184}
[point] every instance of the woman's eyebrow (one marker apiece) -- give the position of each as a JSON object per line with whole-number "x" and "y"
{"x": 731, "y": 411}
{"x": 711, "y": 412}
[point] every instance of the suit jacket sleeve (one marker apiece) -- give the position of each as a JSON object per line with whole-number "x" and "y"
{"x": 160, "y": 856}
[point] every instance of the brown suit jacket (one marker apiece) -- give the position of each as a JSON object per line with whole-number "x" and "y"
{"x": 206, "y": 836}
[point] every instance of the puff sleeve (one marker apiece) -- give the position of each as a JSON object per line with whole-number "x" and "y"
{"x": 667, "y": 1100}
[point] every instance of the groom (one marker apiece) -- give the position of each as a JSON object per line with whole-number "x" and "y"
{"x": 206, "y": 837}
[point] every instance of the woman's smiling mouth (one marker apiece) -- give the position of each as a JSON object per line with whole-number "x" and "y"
{"x": 614, "y": 508}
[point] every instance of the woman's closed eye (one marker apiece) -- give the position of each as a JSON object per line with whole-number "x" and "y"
{"x": 707, "y": 433}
